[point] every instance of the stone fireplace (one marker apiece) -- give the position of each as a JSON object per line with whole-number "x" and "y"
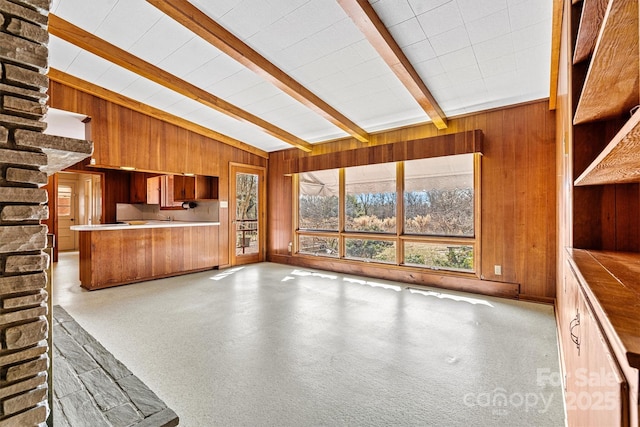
{"x": 27, "y": 158}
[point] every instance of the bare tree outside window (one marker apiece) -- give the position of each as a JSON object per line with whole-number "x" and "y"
{"x": 246, "y": 213}
{"x": 438, "y": 196}
{"x": 371, "y": 198}
{"x": 438, "y": 205}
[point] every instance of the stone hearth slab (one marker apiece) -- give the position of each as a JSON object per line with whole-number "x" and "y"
{"x": 91, "y": 387}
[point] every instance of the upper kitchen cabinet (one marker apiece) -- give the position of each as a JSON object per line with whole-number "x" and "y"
{"x": 138, "y": 189}
{"x": 200, "y": 187}
{"x": 145, "y": 188}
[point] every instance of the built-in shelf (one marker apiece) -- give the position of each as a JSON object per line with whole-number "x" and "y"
{"x": 619, "y": 162}
{"x": 610, "y": 281}
{"x": 611, "y": 85}
{"x": 590, "y": 22}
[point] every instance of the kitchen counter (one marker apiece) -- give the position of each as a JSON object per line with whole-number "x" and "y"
{"x": 147, "y": 224}
{"x": 119, "y": 254}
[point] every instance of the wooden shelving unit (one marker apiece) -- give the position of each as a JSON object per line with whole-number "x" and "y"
{"x": 611, "y": 86}
{"x": 619, "y": 162}
{"x": 598, "y": 299}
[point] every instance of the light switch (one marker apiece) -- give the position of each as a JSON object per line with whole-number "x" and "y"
{"x": 497, "y": 269}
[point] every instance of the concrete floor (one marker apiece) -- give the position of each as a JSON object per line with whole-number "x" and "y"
{"x": 268, "y": 344}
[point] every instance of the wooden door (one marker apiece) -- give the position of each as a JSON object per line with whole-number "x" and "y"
{"x": 247, "y": 209}
{"x": 67, "y": 213}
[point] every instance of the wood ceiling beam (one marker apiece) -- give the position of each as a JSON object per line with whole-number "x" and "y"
{"x": 123, "y": 101}
{"x": 87, "y": 41}
{"x": 195, "y": 20}
{"x": 367, "y": 20}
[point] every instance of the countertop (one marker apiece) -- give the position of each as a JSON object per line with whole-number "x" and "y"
{"x": 147, "y": 224}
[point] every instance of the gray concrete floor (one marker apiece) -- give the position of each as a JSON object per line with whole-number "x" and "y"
{"x": 268, "y": 344}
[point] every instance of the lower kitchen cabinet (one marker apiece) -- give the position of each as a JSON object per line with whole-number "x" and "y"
{"x": 117, "y": 256}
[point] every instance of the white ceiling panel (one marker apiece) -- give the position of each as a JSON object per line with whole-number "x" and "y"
{"x": 434, "y": 21}
{"x": 457, "y": 59}
{"x": 422, "y": 6}
{"x": 61, "y": 53}
{"x": 399, "y": 11}
{"x": 489, "y": 27}
{"x": 409, "y": 32}
{"x": 127, "y": 22}
{"x": 529, "y": 12}
{"x": 89, "y": 13}
{"x": 475, "y": 9}
{"x": 88, "y": 67}
{"x": 419, "y": 52}
{"x": 494, "y": 48}
{"x": 450, "y": 41}
{"x": 190, "y": 56}
{"x": 161, "y": 40}
{"x": 217, "y": 69}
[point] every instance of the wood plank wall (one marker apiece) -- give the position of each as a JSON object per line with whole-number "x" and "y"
{"x": 123, "y": 137}
{"x": 518, "y": 192}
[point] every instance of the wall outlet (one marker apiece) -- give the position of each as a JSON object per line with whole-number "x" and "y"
{"x": 497, "y": 270}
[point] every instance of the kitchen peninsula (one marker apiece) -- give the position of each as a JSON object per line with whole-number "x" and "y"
{"x": 118, "y": 254}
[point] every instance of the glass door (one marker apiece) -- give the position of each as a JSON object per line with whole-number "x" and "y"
{"x": 247, "y": 212}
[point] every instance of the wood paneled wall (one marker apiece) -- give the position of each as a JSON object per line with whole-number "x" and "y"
{"x": 123, "y": 137}
{"x": 518, "y": 192}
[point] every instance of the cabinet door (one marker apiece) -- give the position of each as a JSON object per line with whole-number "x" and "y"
{"x": 138, "y": 188}
{"x": 153, "y": 190}
{"x": 596, "y": 392}
{"x": 184, "y": 188}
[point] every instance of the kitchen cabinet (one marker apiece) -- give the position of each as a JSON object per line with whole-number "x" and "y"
{"x": 118, "y": 255}
{"x": 138, "y": 188}
{"x": 145, "y": 188}
{"x": 153, "y": 190}
{"x": 189, "y": 188}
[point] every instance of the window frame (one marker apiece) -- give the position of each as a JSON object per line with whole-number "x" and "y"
{"x": 399, "y": 237}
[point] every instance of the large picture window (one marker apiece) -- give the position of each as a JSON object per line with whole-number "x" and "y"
{"x": 371, "y": 198}
{"x": 438, "y": 196}
{"x": 318, "y": 200}
{"x": 354, "y": 213}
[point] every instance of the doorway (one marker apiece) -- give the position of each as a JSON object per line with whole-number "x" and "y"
{"x": 247, "y": 209}
{"x": 78, "y": 202}
{"x": 67, "y": 206}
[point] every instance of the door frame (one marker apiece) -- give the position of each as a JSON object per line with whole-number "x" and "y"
{"x": 261, "y": 171}
{"x": 73, "y": 183}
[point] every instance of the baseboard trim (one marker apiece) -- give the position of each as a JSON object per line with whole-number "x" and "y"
{"x": 427, "y": 278}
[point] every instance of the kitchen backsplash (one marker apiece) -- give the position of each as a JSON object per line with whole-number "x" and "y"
{"x": 205, "y": 211}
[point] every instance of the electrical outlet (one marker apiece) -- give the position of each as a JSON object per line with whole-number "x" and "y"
{"x": 497, "y": 270}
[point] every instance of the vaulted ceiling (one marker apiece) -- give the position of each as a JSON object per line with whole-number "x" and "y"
{"x": 280, "y": 73}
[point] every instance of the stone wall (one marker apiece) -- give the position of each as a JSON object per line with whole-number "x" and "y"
{"x": 27, "y": 157}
